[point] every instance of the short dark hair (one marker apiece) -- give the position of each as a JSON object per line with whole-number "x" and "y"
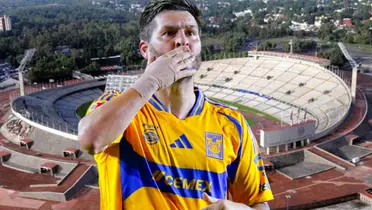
{"x": 157, "y": 6}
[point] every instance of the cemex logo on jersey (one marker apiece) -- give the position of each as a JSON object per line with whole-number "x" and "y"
{"x": 182, "y": 182}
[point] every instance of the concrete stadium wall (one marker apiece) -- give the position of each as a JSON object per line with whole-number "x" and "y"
{"x": 48, "y": 142}
{"x": 366, "y": 105}
{"x": 311, "y": 157}
{"x": 330, "y": 145}
{"x": 44, "y": 100}
{"x": 45, "y": 128}
{"x": 365, "y": 198}
{"x": 323, "y": 203}
{"x": 53, "y": 196}
{"x": 89, "y": 175}
{"x": 59, "y": 181}
{"x": 287, "y": 159}
{"x": 35, "y": 162}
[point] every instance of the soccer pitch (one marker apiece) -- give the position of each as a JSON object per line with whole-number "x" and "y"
{"x": 82, "y": 110}
{"x": 248, "y": 110}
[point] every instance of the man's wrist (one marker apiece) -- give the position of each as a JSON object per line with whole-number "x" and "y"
{"x": 146, "y": 86}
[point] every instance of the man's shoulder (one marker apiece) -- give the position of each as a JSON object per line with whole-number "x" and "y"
{"x": 106, "y": 96}
{"x": 224, "y": 110}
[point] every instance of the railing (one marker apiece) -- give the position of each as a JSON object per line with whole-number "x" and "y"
{"x": 321, "y": 61}
{"x": 43, "y": 86}
{"x": 39, "y": 120}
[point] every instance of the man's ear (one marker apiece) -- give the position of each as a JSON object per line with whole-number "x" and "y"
{"x": 144, "y": 47}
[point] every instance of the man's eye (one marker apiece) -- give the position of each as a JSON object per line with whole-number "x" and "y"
{"x": 192, "y": 33}
{"x": 169, "y": 33}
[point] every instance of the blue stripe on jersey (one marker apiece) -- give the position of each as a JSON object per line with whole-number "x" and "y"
{"x": 179, "y": 144}
{"x": 233, "y": 167}
{"x": 154, "y": 104}
{"x": 216, "y": 103}
{"x": 198, "y": 106}
{"x": 201, "y": 104}
{"x": 257, "y": 158}
{"x": 186, "y": 141}
{"x": 159, "y": 103}
{"x": 110, "y": 96}
{"x": 104, "y": 95}
{"x": 137, "y": 172}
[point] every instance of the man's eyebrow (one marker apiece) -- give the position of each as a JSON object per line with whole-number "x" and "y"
{"x": 173, "y": 27}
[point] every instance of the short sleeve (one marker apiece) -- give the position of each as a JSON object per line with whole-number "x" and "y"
{"x": 248, "y": 183}
{"x": 104, "y": 98}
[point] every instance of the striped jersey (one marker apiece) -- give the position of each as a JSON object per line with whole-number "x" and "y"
{"x": 162, "y": 162}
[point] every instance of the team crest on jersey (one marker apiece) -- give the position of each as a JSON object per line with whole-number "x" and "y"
{"x": 150, "y": 134}
{"x": 214, "y": 145}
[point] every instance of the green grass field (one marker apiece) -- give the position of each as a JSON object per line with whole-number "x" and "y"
{"x": 249, "y": 110}
{"x": 82, "y": 110}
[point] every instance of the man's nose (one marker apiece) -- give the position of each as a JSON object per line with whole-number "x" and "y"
{"x": 181, "y": 39}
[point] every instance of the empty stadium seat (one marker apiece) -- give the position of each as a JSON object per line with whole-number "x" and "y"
{"x": 289, "y": 82}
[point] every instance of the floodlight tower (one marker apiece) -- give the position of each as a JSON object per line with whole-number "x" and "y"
{"x": 355, "y": 67}
{"x": 291, "y": 45}
{"x": 28, "y": 55}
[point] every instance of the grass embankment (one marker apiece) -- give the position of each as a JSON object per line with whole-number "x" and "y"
{"x": 82, "y": 110}
{"x": 249, "y": 110}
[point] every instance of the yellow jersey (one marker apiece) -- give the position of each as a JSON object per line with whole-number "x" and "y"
{"x": 162, "y": 162}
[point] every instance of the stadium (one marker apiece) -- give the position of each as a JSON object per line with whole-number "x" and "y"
{"x": 303, "y": 112}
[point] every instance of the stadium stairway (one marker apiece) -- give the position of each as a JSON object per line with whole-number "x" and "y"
{"x": 80, "y": 178}
{"x": 322, "y": 153}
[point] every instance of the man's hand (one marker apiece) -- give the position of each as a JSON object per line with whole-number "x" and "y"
{"x": 164, "y": 71}
{"x": 218, "y": 204}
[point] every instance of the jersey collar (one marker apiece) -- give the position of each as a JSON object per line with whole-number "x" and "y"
{"x": 196, "y": 109}
{"x": 199, "y": 103}
{"x": 155, "y": 102}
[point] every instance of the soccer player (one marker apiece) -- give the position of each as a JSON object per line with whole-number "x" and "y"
{"x": 161, "y": 144}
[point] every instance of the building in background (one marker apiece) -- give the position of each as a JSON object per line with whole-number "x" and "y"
{"x": 5, "y": 23}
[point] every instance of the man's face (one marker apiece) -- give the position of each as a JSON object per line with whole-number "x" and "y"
{"x": 175, "y": 29}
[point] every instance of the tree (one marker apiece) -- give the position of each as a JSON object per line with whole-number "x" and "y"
{"x": 93, "y": 69}
{"x": 326, "y": 31}
{"x": 335, "y": 55}
{"x": 267, "y": 46}
{"x": 12, "y": 60}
